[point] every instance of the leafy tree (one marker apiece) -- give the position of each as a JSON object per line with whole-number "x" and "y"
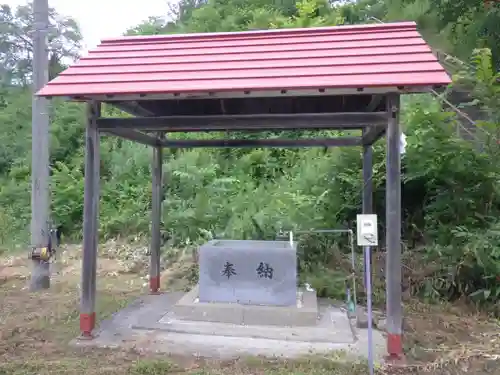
{"x": 451, "y": 199}
{"x": 16, "y": 45}
{"x": 457, "y": 26}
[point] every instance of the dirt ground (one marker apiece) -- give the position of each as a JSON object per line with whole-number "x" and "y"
{"x": 35, "y": 329}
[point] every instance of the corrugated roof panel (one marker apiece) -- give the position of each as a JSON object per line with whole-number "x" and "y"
{"x": 188, "y": 66}
{"x": 169, "y": 46}
{"x": 385, "y": 55}
{"x": 238, "y": 36}
{"x": 278, "y": 47}
{"x": 371, "y": 52}
{"x": 263, "y": 33}
{"x": 247, "y": 73}
{"x": 293, "y": 83}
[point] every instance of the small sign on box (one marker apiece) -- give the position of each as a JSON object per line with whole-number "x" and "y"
{"x": 367, "y": 233}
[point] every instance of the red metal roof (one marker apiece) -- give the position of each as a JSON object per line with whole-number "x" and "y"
{"x": 382, "y": 55}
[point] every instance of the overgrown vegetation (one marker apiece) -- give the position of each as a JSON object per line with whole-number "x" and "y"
{"x": 451, "y": 196}
{"x": 35, "y": 329}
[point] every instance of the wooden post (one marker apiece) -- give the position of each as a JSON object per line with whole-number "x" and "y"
{"x": 393, "y": 235}
{"x": 90, "y": 221}
{"x": 156, "y": 198}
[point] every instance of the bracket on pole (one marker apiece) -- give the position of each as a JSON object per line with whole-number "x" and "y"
{"x": 45, "y": 254}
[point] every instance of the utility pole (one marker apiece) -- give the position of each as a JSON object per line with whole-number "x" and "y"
{"x": 40, "y": 274}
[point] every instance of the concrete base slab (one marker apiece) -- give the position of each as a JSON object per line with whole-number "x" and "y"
{"x": 332, "y": 327}
{"x": 304, "y": 313}
{"x": 228, "y": 341}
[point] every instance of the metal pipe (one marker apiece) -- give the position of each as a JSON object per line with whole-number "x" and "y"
{"x": 367, "y": 253}
{"x": 350, "y": 235}
{"x": 368, "y": 209}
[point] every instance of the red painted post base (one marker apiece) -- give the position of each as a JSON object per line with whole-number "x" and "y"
{"x": 154, "y": 285}
{"x": 395, "y": 353}
{"x": 87, "y": 325}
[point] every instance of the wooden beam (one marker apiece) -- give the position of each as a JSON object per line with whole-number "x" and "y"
{"x": 373, "y": 134}
{"x": 135, "y": 136}
{"x": 132, "y": 108}
{"x": 262, "y": 122}
{"x": 273, "y": 142}
{"x": 376, "y": 100}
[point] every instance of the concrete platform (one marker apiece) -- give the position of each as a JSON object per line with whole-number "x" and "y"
{"x": 148, "y": 325}
{"x": 304, "y": 313}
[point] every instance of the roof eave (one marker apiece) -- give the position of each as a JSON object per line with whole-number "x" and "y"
{"x": 46, "y": 92}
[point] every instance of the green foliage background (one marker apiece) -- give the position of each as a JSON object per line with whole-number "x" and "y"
{"x": 451, "y": 197}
